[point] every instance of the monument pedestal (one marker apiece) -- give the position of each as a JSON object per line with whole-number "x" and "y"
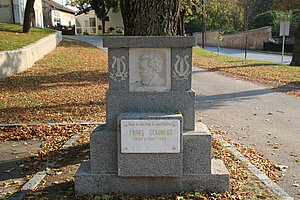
{"x": 199, "y": 170}
{"x": 150, "y": 144}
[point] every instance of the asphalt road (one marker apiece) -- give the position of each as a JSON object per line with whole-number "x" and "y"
{"x": 255, "y": 116}
{"x": 252, "y": 115}
{"x": 251, "y": 55}
{"x": 93, "y": 40}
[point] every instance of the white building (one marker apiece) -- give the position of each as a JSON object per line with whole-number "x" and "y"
{"x": 89, "y": 23}
{"x": 57, "y": 15}
{"x": 12, "y": 11}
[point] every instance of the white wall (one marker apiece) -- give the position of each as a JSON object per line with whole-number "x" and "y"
{"x": 6, "y": 11}
{"x": 66, "y": 19}
{"x": 83, "y": 22}
{"x": 115, "y": 20}
{"x": 38, "y": 9}
{"x": 19, "y": 11}
{"x": 13, "y": 62}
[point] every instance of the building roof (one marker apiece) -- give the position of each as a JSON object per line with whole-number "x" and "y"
{"x": 59, "y": 6}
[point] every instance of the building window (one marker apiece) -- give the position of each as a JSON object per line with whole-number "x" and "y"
{"x": 77, "y": 23}
{"x": 79, "y": 30}
{"x": 57, "y": 21}
{"x": 92, "y": 22}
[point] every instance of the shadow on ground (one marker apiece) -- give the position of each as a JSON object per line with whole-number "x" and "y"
{"x": 241, "y": 66}
{"x": 42, "y": 82}
{"x": 215, "y": 101}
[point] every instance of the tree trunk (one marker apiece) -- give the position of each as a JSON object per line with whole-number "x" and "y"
{"x": 150, "y": 18}
{"x": 180, "y": 26}
{"x": 296, "y": 53}
{"x": 103, "y": 25}
{"x": 29, "y": 13}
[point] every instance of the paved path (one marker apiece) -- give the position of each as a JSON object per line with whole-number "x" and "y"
{"x": 93, "y": 40}
{"x": 252, "y": 115}
{"x": 251, "y": 55}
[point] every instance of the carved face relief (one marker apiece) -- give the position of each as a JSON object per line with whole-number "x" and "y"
{"x": 149, "y": 70}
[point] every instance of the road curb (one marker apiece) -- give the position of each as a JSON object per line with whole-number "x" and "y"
{"x": 261, "y": 176}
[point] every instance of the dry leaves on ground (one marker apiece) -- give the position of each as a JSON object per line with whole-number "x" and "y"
{"x": 67, "y": 85}
{"x": 54, "y": 136}
{"x": 256, "y": 158}
{"x": 59, "y": 182}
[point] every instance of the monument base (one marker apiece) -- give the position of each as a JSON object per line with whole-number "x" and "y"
{"x": 102, "y": 174}
{"x": 87, "y": 183}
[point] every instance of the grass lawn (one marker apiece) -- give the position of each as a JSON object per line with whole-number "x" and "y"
{"x": 279, "y": 76}
{"x": 110, "y": 34}
{"x": 67, "y": 85}
{"x": 12, "y": 38}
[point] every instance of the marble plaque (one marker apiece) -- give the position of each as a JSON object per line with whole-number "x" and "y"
{"x": 149, "y": 69}
{"x": 150, "y": 136}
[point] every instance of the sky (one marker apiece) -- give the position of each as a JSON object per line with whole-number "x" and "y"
{"x": 63, "y": 2}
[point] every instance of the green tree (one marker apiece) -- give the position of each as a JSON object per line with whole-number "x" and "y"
{"x": 219, "y": 15}
{"x": 190, "y": 10}
{"x": 81, "y": 5}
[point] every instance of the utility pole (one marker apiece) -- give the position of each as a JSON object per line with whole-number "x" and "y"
{"x": 203, "y": 26}
{"x": 246, "y": 14}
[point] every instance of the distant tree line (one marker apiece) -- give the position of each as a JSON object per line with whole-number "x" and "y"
{"x": 239, "y": 15}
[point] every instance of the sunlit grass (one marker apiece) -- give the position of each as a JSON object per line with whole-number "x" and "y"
{"x": 282, "y": 74}
{"x": 12, "y": 38}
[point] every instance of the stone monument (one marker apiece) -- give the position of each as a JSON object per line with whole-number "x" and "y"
{"x": 150, "y": 144}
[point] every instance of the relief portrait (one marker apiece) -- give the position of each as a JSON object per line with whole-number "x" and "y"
{"x": 149, "y": 70}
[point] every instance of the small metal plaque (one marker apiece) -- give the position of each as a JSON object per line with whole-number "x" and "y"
{"x": 150, "y": 136}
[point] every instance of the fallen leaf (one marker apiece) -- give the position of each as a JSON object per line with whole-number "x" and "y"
{"x": 9, "y": 170}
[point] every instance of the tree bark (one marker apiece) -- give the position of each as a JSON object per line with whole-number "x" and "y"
{"x": 103, "y": 25}
{"x": 150, "y": 18}
{"x": 29, "y": 13}
{"x": 180, "y": 26}
{"x": 296, "y": 53}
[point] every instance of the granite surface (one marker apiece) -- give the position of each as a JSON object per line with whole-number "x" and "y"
{"x": 149, "y": 164}
{"x": 118, "y": 70}
{"x": 103, "y": 151}
{"x": 149, "y": 41}
{"x": 181, "y": 71}
{"x": 87, "y": 183}
{"x": 119, "y": 102}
